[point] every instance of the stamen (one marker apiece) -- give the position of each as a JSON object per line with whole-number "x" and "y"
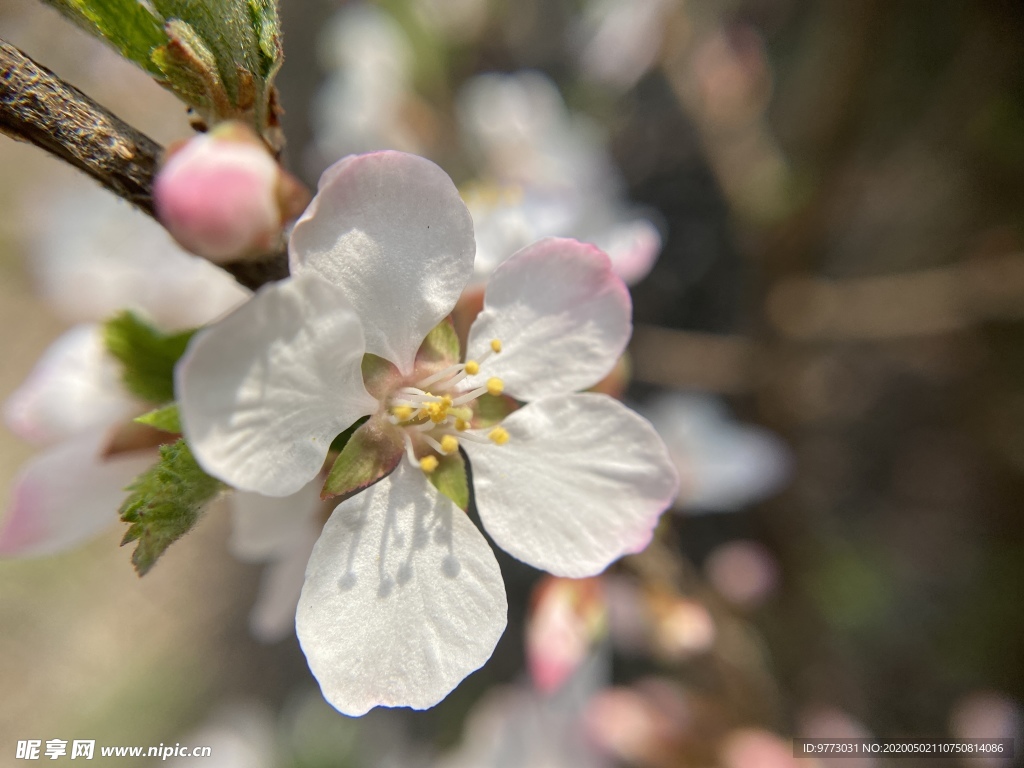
{"x": 408, "y": 447}
{"x": 496, "y": 345}
{"x": 449, "y": 444}
{"x": 470, "y": 396}
{"x": 472, "y": 367}
{"x": 440, "y": 375}
{"x": 432, "y": 443}
{"x": 429, "y": 463}
{"x": 461, "y": 424}
{"x": 499, "y": 435}
{"x": 495, "y": 386}
{"x": 402, "y": 412}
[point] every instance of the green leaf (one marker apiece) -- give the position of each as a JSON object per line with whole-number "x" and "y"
{"x": 166, "y": 419}
{"x": 368, "y": 456}
{"x": 128, "y": 25}
{"x": 441, "y": 347}
{"x": 164, "y": 503}
{"x": 451, "y": 480}
{"x": 146, "y": 354}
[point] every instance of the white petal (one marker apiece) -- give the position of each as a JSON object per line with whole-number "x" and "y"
{"x": 75, "y": 387}
{"x": 273, "y": 616}
{"x": 263, "y": 527}
{"x": 581, "y": 482}
{"x": 265, "y": 391}
{"x": 561, "y": 314}
{"x": 94, "y": 255}
{"x": 67, "y": 495}
{"x": 724, "y": 465}
{"x": 391, "y": 230}
{"x": 403, "y": 598}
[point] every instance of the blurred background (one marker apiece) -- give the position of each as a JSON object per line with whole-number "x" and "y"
{"x": 820, "y": 209}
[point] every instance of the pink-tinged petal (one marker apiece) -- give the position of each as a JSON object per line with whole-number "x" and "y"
{"x": 633, "y": 247}
{"x": 265, "y": 527}
{"x": 403, "y": 598}
{"x": 566, "y": 618}
{"x": 265, "y": 391}
{"x": 561, "y": 314}
{"x": 580, "y": 482}
{"x": 273, "y": 616}
{"x": 67, "y": 495}
{"x": 391, "y": 230}
{"x": 75, "y": 387}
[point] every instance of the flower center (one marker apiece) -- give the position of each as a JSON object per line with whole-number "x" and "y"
{"x": 432, "y": 411}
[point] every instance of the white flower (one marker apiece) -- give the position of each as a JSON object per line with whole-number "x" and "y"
{"x": 73, "y": 401}
{"x": 362, "y": 104}
{"x": 723, "y": 464}
{"x": 403, "y": 597}
{"x": 545, "y": 172}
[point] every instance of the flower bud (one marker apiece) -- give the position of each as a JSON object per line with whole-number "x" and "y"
{"x": 223, "y": 196}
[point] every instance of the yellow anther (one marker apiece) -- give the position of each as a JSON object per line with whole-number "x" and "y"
{"x": 449, "y": 444}
{"x": 402, "y": 412}
{"x": 461, "y": 424}
{"x": 472, "y": 367}
{"x": 499, "y": 435}
{"x": 437, "y": 412}
{"x": 429, "y": 463}
{"x": 495, "y": 386}
{"x": 496, "y": 345}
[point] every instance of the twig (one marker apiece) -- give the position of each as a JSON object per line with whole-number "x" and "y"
{"x": 38, "y": 107}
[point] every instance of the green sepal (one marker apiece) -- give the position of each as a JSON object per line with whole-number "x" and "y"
{"x": 339, "y": 443}
{"x": 491, "y": 409}
{"x": 147, "y": 355}
{"x": 450, "y": 479}
{"x": 165, "y": 418}
{"x": 164, "y": 503}
{"x": 369, "y": 455}
{"x": 440, "y": 347}
{"x": 378, "y": 375}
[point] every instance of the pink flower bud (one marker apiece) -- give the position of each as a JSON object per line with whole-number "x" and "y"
{"x": 223, "y": 196}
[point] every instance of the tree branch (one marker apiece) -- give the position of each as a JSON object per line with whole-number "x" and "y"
{"x": 38, "y": 107}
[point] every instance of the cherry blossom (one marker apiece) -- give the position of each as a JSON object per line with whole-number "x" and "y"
{"x": 403, "y": 597}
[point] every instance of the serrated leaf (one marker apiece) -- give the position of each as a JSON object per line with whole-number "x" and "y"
{"x": 147, "y": 355}
{"x": 451, "y": 480}
{"x": 440, "y": 347}
{"x": 164, "y": 503}
{"x": 128, "y": 25}
{"x": 166, "y": 419}
{"x": 367, "y": 457}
